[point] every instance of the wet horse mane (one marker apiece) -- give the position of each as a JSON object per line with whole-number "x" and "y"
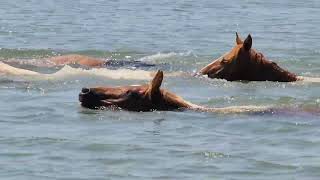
{"x": 269, "y": 70}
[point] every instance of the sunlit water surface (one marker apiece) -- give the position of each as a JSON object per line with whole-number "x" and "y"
{"x": 46, "y": 134}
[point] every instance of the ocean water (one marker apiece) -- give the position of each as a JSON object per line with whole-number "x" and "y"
{"x": 46, "y": 134}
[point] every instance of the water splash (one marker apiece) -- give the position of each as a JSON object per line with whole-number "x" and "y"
{"x": 68, "y": 71}
{"x": 160, "y": 56}
{"x": 10, "y": 70}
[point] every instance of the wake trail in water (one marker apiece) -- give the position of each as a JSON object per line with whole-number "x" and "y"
{"x": 233, "y": 109}
{"x": 68, "y": 71}
{"x": 310, "y": 79}
{"x": 262, "y": 110}
{"x": 163, "y": 56}
{"x": 102, "y": 72}
{"x": 10, "y": 70}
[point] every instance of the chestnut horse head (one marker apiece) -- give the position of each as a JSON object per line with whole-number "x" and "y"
{"x": 146, "y": 97}
{"x": 245, "y": 63}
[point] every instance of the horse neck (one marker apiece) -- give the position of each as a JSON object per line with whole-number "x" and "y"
{"x": 276, "y": 72}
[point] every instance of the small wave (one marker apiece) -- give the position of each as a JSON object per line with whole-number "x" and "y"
{"x": 68, "y": 71}
{"x": 10, "y": 70}
{"x": 44, "y": 62}
{"x": 235, "y": 109}
{"x": 160, "y": 56}
{"x": 26, "y": 53}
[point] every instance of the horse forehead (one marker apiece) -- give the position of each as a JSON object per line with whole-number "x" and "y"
{"x": 235, "y": 50}
{"x": 129, "y": 87}
{"x": 233, "y": 53}
{"x": 115, "y": 89}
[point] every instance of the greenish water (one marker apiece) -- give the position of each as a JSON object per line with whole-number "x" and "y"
{"x": 45, "y": 134}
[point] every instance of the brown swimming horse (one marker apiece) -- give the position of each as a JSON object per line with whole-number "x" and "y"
{"x": 245, "y": 63}
{"x": 148, "y": 97}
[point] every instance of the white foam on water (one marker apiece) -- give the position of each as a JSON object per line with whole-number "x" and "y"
{"x": 309, "y": 79}
{"x": 128, "y": 74}
{"x": 68, "y": 71}
{"x": 233, "y": 109}
{"x": 10, "y": 70}
{"x": 241, "y": 109}
{"x": 160, "y": 56}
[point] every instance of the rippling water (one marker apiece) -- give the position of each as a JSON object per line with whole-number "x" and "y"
{"x": 45, "y": 134}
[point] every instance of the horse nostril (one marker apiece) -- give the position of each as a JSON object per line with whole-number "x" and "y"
{"x": 85, "y": 90}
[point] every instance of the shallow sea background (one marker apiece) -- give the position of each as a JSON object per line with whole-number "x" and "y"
{"x": 46, "y": 134}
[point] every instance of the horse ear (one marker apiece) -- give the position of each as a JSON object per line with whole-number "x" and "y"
{"x": 154, "y": 85}
{"x": 238, "y": 39}
{"x": 247, "y": 43}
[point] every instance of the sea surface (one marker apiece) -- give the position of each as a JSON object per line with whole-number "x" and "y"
{"x": 46, "y": 134}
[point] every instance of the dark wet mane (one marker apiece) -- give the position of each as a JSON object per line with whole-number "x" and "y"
{"x": 257, "y": 57}
{"x": 276, "y": 73}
